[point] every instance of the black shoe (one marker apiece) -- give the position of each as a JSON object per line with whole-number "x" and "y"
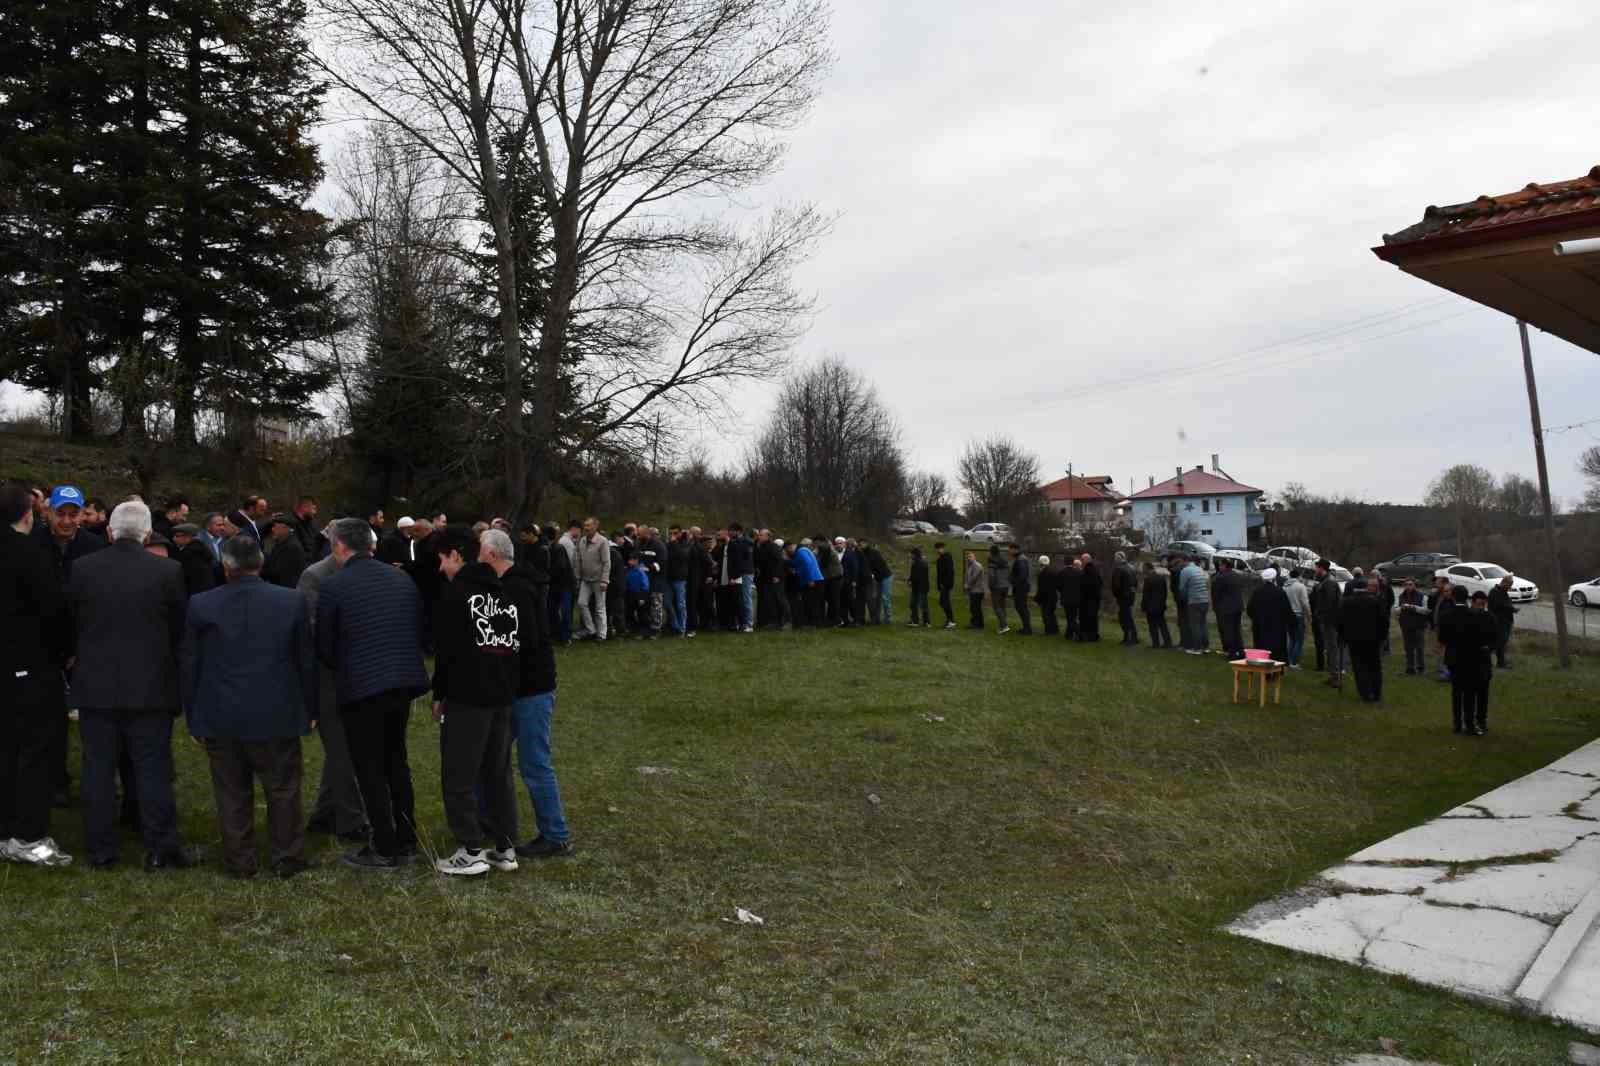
{"x": 1479, "y": 731}
{"x": 406, "y": 854}
{"x": 320, "y": 826}
{"x": 356, "y": 836}
{"x": 543, "y": 848}
{"x": 364, "y": 858}
{"x": 287, "y": 868}
{"x": 181, "y": 859}
{"x": 240, "y": 874}
{"x": 103, "y": 865}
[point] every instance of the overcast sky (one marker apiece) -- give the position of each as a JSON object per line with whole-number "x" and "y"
{"x": 1040, "y": 202}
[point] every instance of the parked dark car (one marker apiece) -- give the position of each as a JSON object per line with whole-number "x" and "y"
{"x": 1418, "y": 565}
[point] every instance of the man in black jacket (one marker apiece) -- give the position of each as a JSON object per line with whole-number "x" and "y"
{"x": 945, "y": 578}
{"x": 535, "y": 701}
{"x": 699, "y": 565}
{"x": 563, "y": 587}
{"x": 879, "y": 583}
{"x": 1362, "y": 624}
{"x": 1227, "y": 594}
{"x": 249, "y": 519}
{"x": 286, "y": 559}
{"x": 919, "y": 590}
{"x": 1072, "y": 598}
{"x": 742, "y": 571}
{"x": 1048, "y": 593}
{"x": 677, "y": 574}
{"x": 306, "y": 531}
{"x": 477, "y": 641}
{"x": 1470, "y": 636}
{"x": 1154, "y": 605}
{"x": 1089, "y": 611}
{"x": 770, "y": 569}
{"x": 1125, "y": 589}
{"x": 1505, "y": 618}
{"x": 369, "y": 632}
{"x": 199, "y": 568}
{"x": 1021, "y": 588}
{"x": 128, "y": 606}
{"x": 35, "y": 643}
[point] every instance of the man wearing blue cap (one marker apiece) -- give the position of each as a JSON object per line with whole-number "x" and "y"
{"x": 65, "y": 541}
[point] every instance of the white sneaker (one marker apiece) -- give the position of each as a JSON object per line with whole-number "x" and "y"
{"x": 1005, "y": 629}
{"x": 504, "y": 861}
{"x": 950, "y": 625}
{"x": 747, "y": 629}
{"x": 8, "y": 849}
{"x": 463, "y": 863}
{"x": 42, "y": 852}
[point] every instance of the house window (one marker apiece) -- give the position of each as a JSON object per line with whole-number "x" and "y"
{"x": 1205, "y": 532}
{"x": 1219, "y": 506}
{"x": 1063, "y": 510}
{"x": 1205, "y": 506}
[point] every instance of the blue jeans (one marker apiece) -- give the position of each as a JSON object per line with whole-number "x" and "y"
{"x": 561, "y": 616}
{"x": 678, "y": 606}
{"x": 747, "y": 601}
{"x": 1297, "y": 638}
{"x": 886, "y": 599}
{"x": 531, "y": 717}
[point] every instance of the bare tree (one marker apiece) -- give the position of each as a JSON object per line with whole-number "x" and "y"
{"x": 1519, "y": 496}
{"x": 1163, "y": 529}
{"x": 1589, "y": 467}
{"x": 1000, "y": 479}
{"x": 830, "y": 448}
{"x": 927, "y": 492}
{"x": 1468, "y": 492}
{"x": 630, "y": 110}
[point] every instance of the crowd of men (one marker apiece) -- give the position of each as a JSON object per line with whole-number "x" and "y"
{"x": 262, "y": 628}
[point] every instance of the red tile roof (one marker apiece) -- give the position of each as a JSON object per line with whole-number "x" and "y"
{"x": 1078, "y": 488}
{"x": 1195, "y": 483}
{"x": 1535, "y": 207}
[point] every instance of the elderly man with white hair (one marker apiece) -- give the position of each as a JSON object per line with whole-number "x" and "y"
{"x": 128, "y": 606}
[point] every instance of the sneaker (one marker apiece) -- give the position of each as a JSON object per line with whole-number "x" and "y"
{"x": 42, "y": 852}
{"x": 747, "y": 629}
{"x": 463, "y": 863}
{"x": 689, "y": 634}
{"x": 950, "y": 625}
{"x": 502, "y": 859}
{"x": 913, "y": 625}
{"x": 1193, "y": 651}
{"x": 288, "y": 867}
{"x": 364, "y": 858}
{"x": 544, "y": 848}
{"x": 1005, "y": 629}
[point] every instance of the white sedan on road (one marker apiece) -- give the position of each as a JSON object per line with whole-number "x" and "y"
{"x": 990, "y": 533}
{"x": 1483, "y": 577}
{"x": 1585, "y": 594}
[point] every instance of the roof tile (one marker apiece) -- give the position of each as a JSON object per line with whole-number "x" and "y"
{"x": 1532, "y": 201}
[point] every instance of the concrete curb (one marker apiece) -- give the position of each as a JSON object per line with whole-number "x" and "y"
{"x": 1558, "y": 951}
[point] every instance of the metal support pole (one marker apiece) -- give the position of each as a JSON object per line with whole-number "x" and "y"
{"x": 1544, "y": 498}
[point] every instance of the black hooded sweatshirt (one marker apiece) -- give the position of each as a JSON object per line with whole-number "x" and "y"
{"x": 536, "y": 659}
{"x": 476, "y": 640}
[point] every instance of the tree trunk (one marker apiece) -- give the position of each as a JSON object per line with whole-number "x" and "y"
{"x": 187, "y": 378}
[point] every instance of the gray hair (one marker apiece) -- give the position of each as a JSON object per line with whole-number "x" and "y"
{"x": 1120, "y": 557}
{"x": 129, "y": 520}
{"x": 241, "y": 554}
{"x": 355, "y": 534}
{"x": 497, "y": 541}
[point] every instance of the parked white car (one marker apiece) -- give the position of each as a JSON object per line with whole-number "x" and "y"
{"x": 1483, "y": 577}
{"x": 1244, "y": 560}
{"x": 1585, "y": 594}
{"x": 990, "y": 533}
{"x": 1292, "y": 556}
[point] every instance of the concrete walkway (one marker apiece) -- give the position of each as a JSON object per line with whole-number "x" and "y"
{"x": 1498, "y": 899}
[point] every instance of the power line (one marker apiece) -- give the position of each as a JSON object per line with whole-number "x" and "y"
{"x": 1575, "y": 425}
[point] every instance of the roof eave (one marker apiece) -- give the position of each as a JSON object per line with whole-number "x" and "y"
{"x": 1486, "y": 235}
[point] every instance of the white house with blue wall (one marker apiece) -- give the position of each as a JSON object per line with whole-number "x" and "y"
{"x": 1222, "y": 512}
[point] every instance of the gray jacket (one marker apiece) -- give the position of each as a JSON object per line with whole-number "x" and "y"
{"x": 593, "y": 559}
{"x": 999, "y": 574}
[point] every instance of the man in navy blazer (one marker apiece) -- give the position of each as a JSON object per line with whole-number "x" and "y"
{"x": 248, "y": 682}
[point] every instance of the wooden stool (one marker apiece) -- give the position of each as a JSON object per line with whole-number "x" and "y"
{"x": 1268, "y": 671}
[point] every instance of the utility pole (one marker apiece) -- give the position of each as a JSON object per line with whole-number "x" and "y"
{"x": 1069, "y": 498}
{"x": 1544, "y": 498}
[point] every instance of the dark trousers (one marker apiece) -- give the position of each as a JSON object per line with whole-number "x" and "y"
{"x": 235, "y": 764}
{"x": 146, "y": 737}
{"x": 1047, "y": 612}
{"x": 56, "y": 694}
{"x": 768, "y": 595}
{"x": 975, "y": 610}
{"x": 945, "y": 606}
{"x": 1416, "y": 658}
{"x": 1160, "y": 635}
{"x": 27, "y": 732}
{"x": 338, "y": 804}
{"x": 1089, "y": 621}
{"x": 1072, "y": 615}
{"x": 474, "y": 758}
{"x": 616, "y": 611}
{"x": 1230, "y": 630}
{"x": 868, "y": 605}
{"x": 1367, "y": 664}
{"x": 1130, "y": 634}
{"x": 728, "y": 597}
{"x": 691, "y": 600}
{"x": 815, "y": 610}
{"x": 797, "y": 608}
{"x": 1024, "y": 614}
{"x": 919, "y": 608}
{"x": 1316, "y": 634}
{"x": 832, "y": 592}
{"x": 639, "y": 613}
{"x": 1469, "y": 703}
{"x": 561, "y": 615}
{"x": 375, "y": 730}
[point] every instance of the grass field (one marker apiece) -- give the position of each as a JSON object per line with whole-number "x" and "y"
{"x": 1040, "y": 878}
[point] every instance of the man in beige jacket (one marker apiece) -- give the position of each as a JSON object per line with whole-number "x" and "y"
{"x": 593, "y": 566}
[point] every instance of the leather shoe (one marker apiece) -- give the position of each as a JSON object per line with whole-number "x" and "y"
{"x": 287, "y": 868}
{"x": 181, "y": 859}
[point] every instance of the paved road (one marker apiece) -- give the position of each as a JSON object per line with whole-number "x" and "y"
{"x": 1541, "y": 617}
